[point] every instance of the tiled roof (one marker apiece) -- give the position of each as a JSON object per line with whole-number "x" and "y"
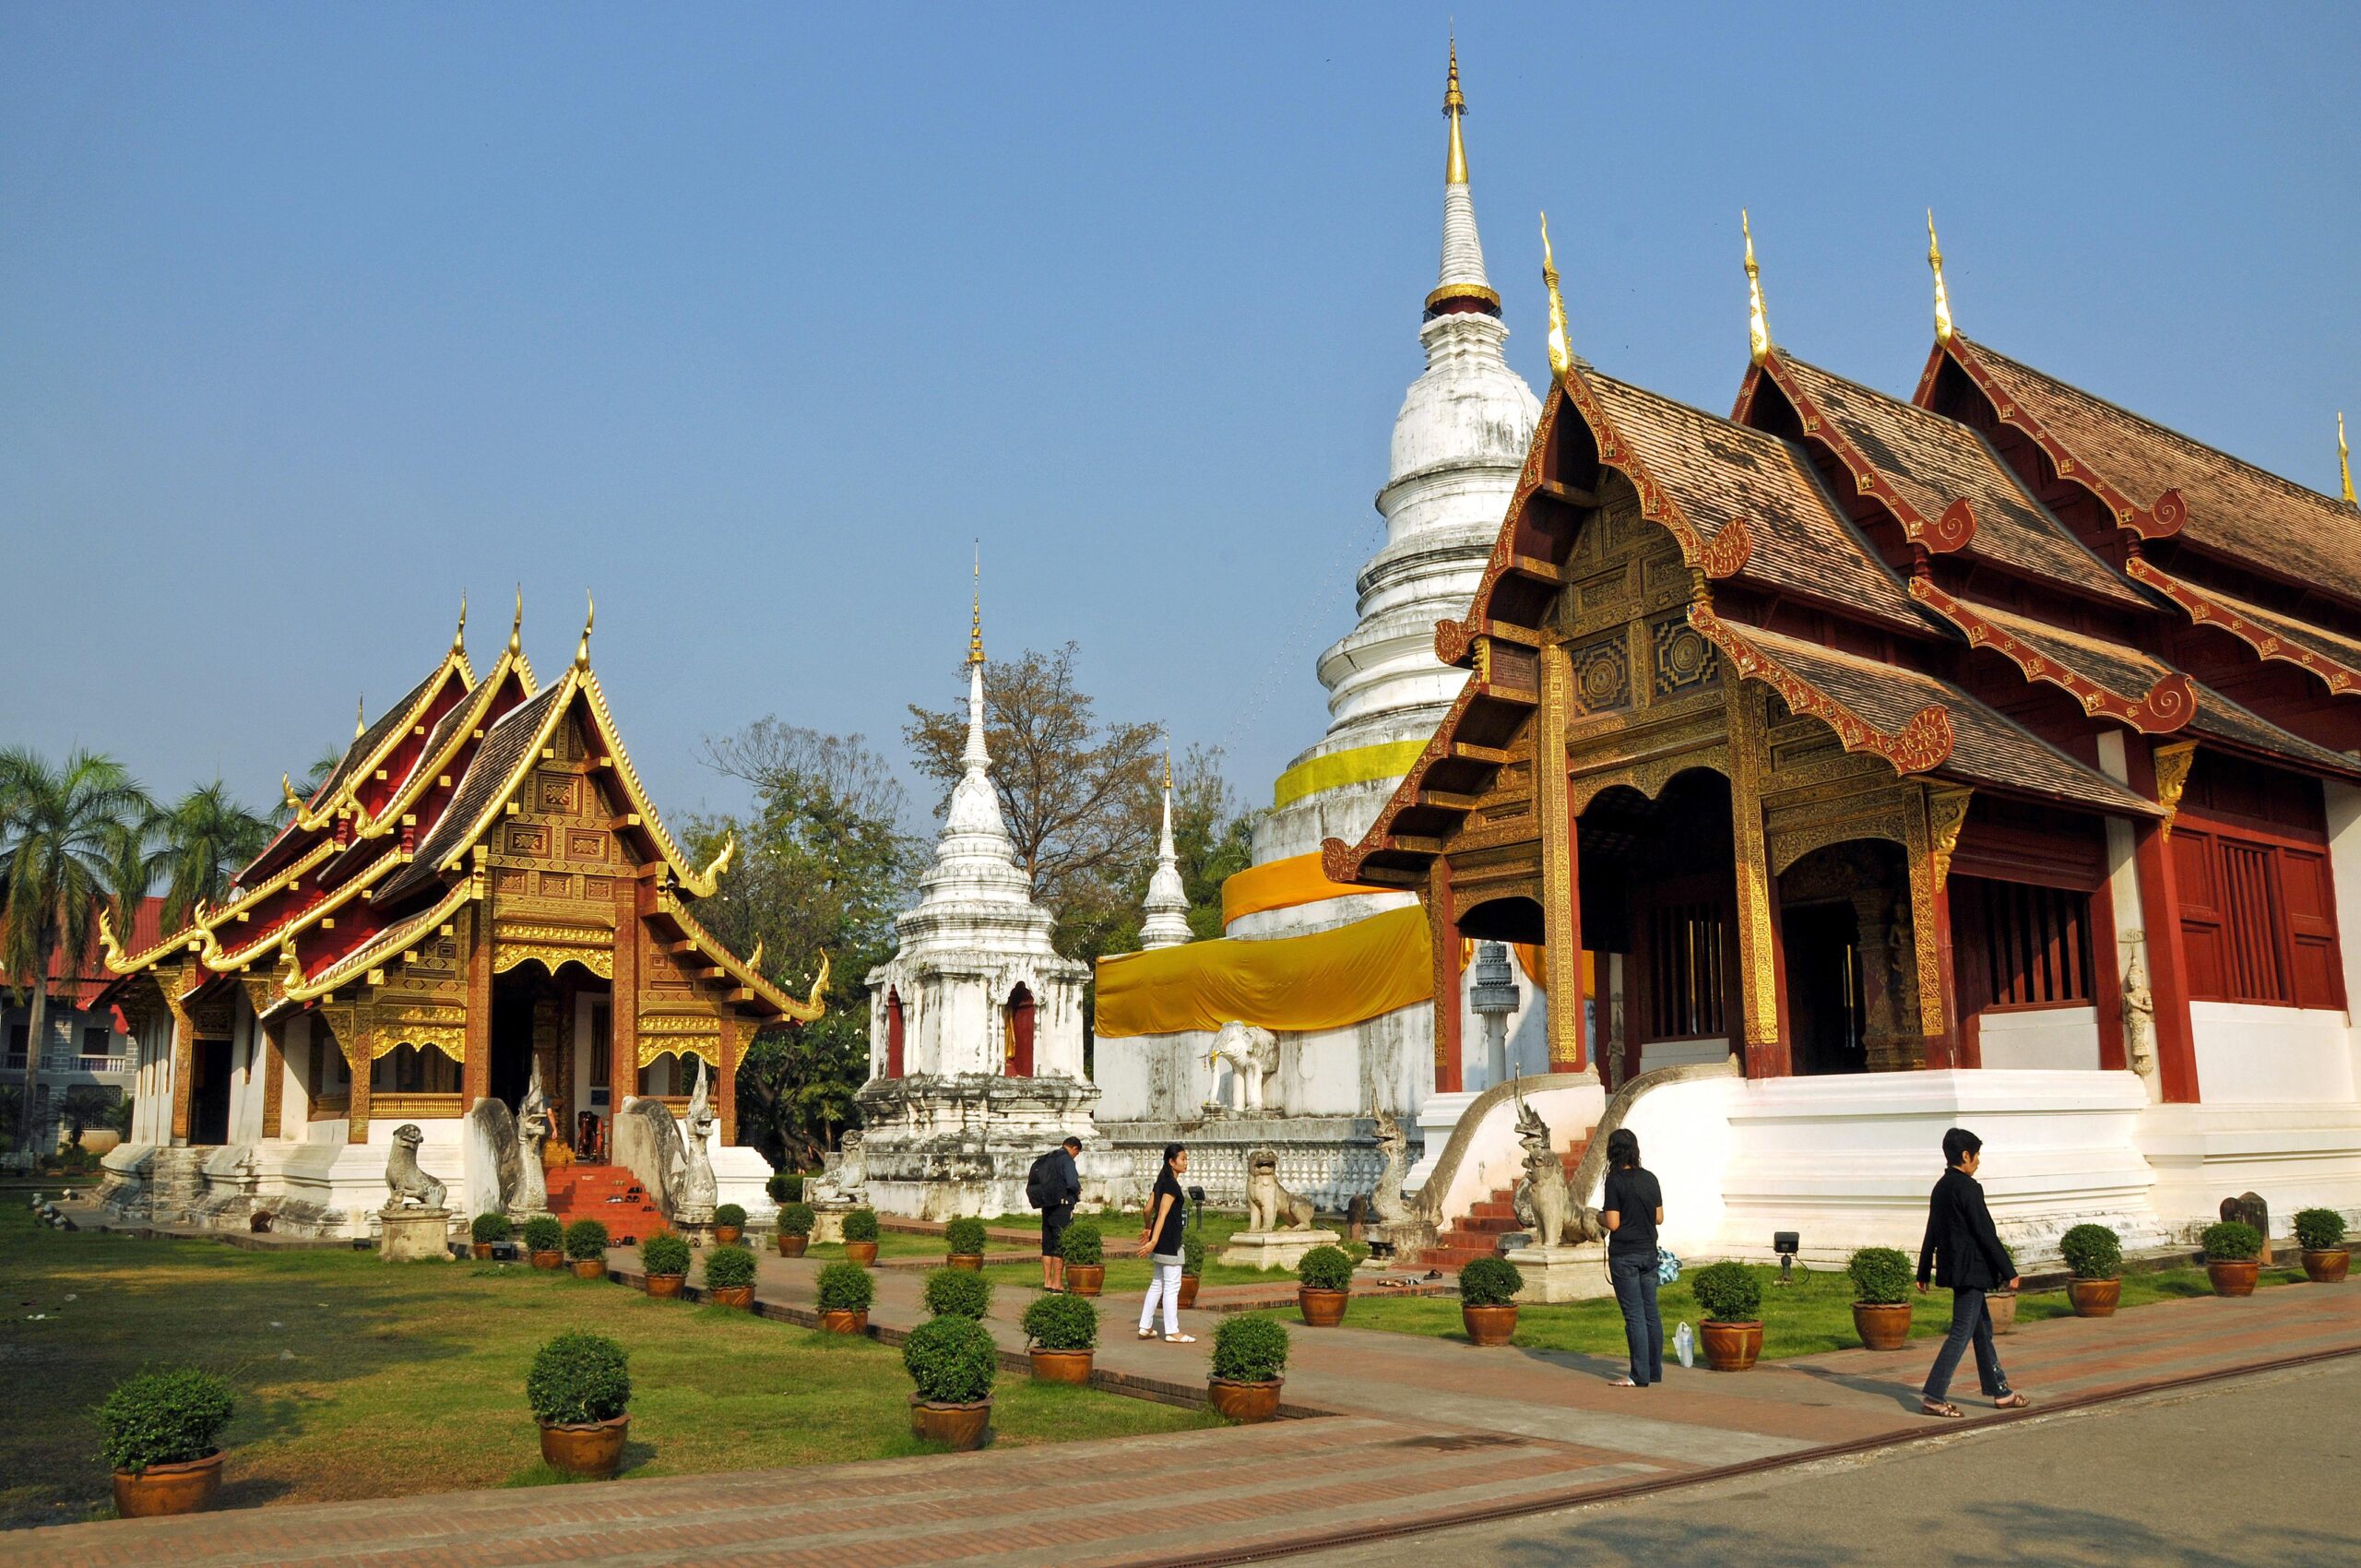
{"x": 2219, "y": 719}
{"x": 2335, "y": 660}
{"x": 147, "y": 931}
{"x": 509, "y": 748}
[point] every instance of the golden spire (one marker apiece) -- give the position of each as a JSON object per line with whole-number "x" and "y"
{"x": 287, "y": 792}
{"x": 1562, "y": 353}
{"x": 582, "y": 649}
{"x": 2343, "y": 460}
{"x": 360, "y": 716}
{"x": 1942, "y": 296}
{"x": 517, "y": 626}
{"x": 1455, "y": 168}
{"x": 1168, "y": 770}
{"x": 976, "y": 630}
{"x": 1758, "y": 325}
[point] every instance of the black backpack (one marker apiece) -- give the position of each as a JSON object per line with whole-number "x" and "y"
{"x": 1041, "y": 1181}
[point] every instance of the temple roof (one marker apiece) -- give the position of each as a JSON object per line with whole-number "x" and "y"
{"x": 2335, "y": 660}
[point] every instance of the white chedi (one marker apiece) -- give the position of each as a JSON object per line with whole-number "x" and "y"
{"x": 1166, "y": 904}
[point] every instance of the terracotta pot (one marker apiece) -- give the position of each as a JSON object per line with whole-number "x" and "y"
{"x": 861, "y": 1253}
{"x": 2328, "y": 1268}
{"x": 1489, "y": 1325}
{"x": 593, "y": 1448}
{"x": 2001, "y": 1306}
{"x": 966, "y": 1263}
{"x": 1188, "y": 1291}
{"x": 845, "y": 1323}
{"x": 664, "y": 1287}
{"x": 1084, "y": 1278}
{"x": 793, "y": 1246}
{"x": 482, "y": 1251}
{"x": 549, "y": 1260}
{"x": 1321, "y": 1308}
{"x": 738, "y": 1296}
{"x": 589, "y": 1269}
{"x": 728, "y": 1234}
{"x": 962, "y": 1427}
{"x": 186, "y": 1488}
{"x": 2233, "y": 1276}
{"x": 1062, "y": 1366}
{"x": 1245, "y": 1401}
{"x": 2094, "y": 1298}
{"x": 1883, "y": 1325}
{"x": 1732, "y": 1346}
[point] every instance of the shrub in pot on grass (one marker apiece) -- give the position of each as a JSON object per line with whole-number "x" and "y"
{"x": 729, "y": 1223}
{"x": 953, "y": 1361}
{"x": 1323, "y": 1280}
{"x": 795, "y": 1223}
{"x": 729, "y": 1276}
{"x": 1084, "y": 1250}
{"x": 545, "y": 1241}
{"x": 845, "y": 1291}
{"x": 2233, "y": 1256}
{"x": 1063, "y": 1331}
{"x": 1730, "y": 1297}
{"x": 1487, "y": 1288}
{"x": 861, "y": 1236}
{"x": 963, "y": 1240}
{"x": 1249, "y": 1357}
{"x": 2093, "y": 1255}
{"x": 2321, "y": 1232}
{"x": 1882, "y": 1278}
{"x": 162, "y": 1433}
{"x": 585, "y": 1249}
{"x": 955, "y": 1292}
{"x": 580, "y": 1392}
{"x": 664, "y": 1262}
{"x": 487, "y": 1231}
{"x": 1193, "y": 1264}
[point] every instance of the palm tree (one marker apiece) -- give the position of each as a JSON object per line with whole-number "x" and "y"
{"x": 55, "y": 826}
{"x": 209, "y": 838}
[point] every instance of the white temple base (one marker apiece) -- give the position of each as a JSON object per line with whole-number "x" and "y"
{"x": 1274, "y": 1249}
{"x": 1562, "y": 1274}
{"x": 415, "y": 1235}
{"x": 940, "y": 1146}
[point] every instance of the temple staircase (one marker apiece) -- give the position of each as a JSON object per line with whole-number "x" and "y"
{"x": 1478, "y": 1233}
{"x": 608, "y": 1193}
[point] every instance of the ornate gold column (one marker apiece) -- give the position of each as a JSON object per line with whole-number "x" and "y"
{"x": 1762, "y": 960}
{"x": 1443, "y": 929}
{"x": 1561, "y": 903}
{"x": 622, "y": 1011}
{"x": 1932, "y": 818}
{"x": 172, "y": 983}
{"x": 360, "y": 1042}
{"x": 726, "y": 1077}
{"x": 274, "y": 1082}
{"x": 475, "y": 1070}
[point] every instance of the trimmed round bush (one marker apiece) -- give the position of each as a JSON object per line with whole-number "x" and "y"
{"x": 2319, "y": 1229}
{"x": 1728, "y": 1292}
{"x": 1489, "y": 1282}
{"x": 955, "y": 1292}
{"x": 664, "y": 1253}
{"x": 1250, "y": 1347}
{"x": 963, "y": 1236}
{"x": 846, "y": 1288}
{"x": 795, "y": 1218}
{"x": 1325, "y": 1268}
{"x": 585, "y": 1240}
{"x": 1081, "y": 1243}
{"x": 860, "y": 1225}
{"x": 732, "y": 1214}
{"x": 1881, "y": 1276}
{"x": 2091, "y": 1252}
{"x": 489, "y": 1230}
{"x": 784, "y": 1188}
{"x": 579, "y": 1378}
{"x": 1192, "y": 1250}
{"x": 545, "y": 1234}
{"x": 165, "y": 1417}
{"x": 952, "y": 1359}
{"x": 1061, "y": 1323}
{"x": 2233, "y": 1240}
{"x": 728, "y": 1267}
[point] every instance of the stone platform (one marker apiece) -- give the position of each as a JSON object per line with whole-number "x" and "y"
{"x": 1274, "y": 1249}
{"x": 415, "y": 1235}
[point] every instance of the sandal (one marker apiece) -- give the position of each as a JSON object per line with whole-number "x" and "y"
{"x": 1942, "y": 1408}
{"x": 1620, "y": 1382}
{"x": 1147, "y": 1333}
{"x": 1180, "y": 1339}
{"x": 2010, "y": 1402}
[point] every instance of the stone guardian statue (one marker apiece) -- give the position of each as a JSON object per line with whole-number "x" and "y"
{"x": 534, "y": 1128}
{"x": 695, "y": 1172}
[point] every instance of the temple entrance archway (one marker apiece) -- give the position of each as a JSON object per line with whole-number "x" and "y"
{"x": 1016, "y": 1031}
{"x": 517, "y": 999}
{"x": 1848, "y": 956}
{"x": 1659, "y": 888}
{"x": 208, "y": 1108}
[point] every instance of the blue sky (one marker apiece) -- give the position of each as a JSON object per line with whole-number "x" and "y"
{"x": 751, "y": 319}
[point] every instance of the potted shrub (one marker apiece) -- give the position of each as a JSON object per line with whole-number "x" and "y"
{"x": 664, "y": 1262}
{"x": 729, "y": 1277}
{"x": 729, "y": 1223}
{"x": 1085, "y": 1253}
{"x": 964, "y": 1240}
{"x": 163, "y": 1434}
{"x": 861, "y": 1236}
{"x": 1193, "y": 1264}
{"x": 845, "y": 1291}
{"x": 1250, "y": 1354}
{"x": 952, "y": 1360}
{"x": 955, "y": 1292}
{"x": 580, "y": 1392}
{"x": 1882, "y": 1278}
{"x": 487, "y": 1231}
{"x": 2233, "y": 1256}
{"x": 1487, "y": 1288}
{"x": 1323, "y": 1280}
{"x": 2321, "y": 1232}
{"x": 545, "y": 1241}
{"x": 1730, "y": 1297}
{"x": 795, "y": 1221}
{"x": 784, "y": 1188}
{"x": 585, "y": 1249}
{"x": 2093, "y": 1255}
{"x": 1061, "y": 1331}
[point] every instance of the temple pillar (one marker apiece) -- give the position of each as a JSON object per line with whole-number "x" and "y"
{"x": 475, "y": 1066}
{"x": 184, "y": 1051}
{"x": 359, "y": 1048}
{"x": 2118, "y": 934}
{"x": 1562, "y": 902}
{"x": 1762, "y": 960}
{"x": 274, "y": 1077}
{"x": 622, "y": 1012}
{"x": 726, "y": 1079}
{"x": 2159, "y": 774}
{"x": 1932, "y": 817}
{"x": 1442, "y": 927}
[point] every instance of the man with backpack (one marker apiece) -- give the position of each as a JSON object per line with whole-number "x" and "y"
{"x": 1054, "y": 1186}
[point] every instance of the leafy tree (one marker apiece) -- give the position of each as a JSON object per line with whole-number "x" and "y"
{"x": 85, "y": 1106}
{"x": 209, "y": 838}
{"x": 1211, "y": 833}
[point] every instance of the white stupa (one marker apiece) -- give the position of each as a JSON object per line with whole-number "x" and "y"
{"x": 1166, "y": 904}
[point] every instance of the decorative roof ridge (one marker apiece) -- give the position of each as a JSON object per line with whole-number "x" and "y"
{"x": 1948, "y": 531}
{"x": 2168, "y": 703}
{"x": 335, "y": 792}
{"x": 221, "y": 960}
{"x": 1341, "y": 861}
{"x": 296, "y": 986}
{"x": 2211, "y": 607}
{"x": 2289, "y": 748}
{"x": 469, "y": 714}
{"x": 212, "y": 916}
{"x": 1920, "y": 746}
{"x": 696, "y": 883}
{"x": 742, "y": 969}
{"x": 118, "y": 962}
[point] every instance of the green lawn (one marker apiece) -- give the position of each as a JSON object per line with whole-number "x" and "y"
{"x": 898, "y": 1244}
{"x": 1811, "y": 1316}
{"x": 359, "y": 1379}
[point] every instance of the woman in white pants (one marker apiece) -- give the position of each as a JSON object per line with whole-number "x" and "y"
{"x": 1168, "y": 1215}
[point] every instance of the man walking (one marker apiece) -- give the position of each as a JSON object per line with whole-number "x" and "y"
{"x": 1966, "y": 1257}
{"x": 1055, "y": 1186}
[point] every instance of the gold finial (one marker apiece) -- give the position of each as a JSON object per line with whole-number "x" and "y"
{"x": 582, "y": 649}
{"x": 1942, "y": 296}
{"x": 2343, "y": 460}
{"x": 517, "y": 626}
{"x": 1562, "y": 353}
{"x": 1758, "y": 325}
{"x": 459, "y": 637}
{"x": 1455, "y": 168}
{"x": 720, "y": 862}
{"x": 360, "y": 716}
{"x": 755, "y": 959}
{"x": 286, "y": 791}
{"x": 1168, "y": 770}
{"x": 976, "y": 629}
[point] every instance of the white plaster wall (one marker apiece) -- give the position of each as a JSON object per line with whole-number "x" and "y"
{"x": 1687, "y": 1144}
{"x": 2250, "y": 1055}
{"x": 2294, "y": 1155}
{"x": 2062, "y": 1040}
{"x": 1658, "y": 1054}
{"x": 1155, "y": 1078}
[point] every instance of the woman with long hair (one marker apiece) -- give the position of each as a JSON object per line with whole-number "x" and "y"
{"x": 1168, "y": 1215}
{"x": 1631, "y": 1209}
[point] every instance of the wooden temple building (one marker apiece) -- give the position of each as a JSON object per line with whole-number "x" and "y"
{"x": 481, "y": 888}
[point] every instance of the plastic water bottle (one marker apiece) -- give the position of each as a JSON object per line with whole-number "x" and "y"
{"x": 1684, "y": 1345}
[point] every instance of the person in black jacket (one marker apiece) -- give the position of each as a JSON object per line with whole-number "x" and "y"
{"x": 1964, "y": 1254}
{"x": 1065, "y": 1191}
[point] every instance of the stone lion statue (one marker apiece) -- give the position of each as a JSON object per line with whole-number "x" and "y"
{"x": 407, "y": 1186}
{"x": 1544, "y": 1200}
{"x": 1270, "y": 1206}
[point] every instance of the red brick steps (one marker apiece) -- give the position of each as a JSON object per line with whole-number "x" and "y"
{"x": 1478, "y": 1235}
{"x": 608, "y": 1193}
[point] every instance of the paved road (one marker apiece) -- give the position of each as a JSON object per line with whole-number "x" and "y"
{"x": 2173, "y": 1480}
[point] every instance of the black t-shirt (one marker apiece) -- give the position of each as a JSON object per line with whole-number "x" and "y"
{"x": 1176, "y": 1218}
{"x": 1635, "y": 1197}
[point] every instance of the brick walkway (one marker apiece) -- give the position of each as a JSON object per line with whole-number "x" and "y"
{"x": 1419, "y": 1432}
